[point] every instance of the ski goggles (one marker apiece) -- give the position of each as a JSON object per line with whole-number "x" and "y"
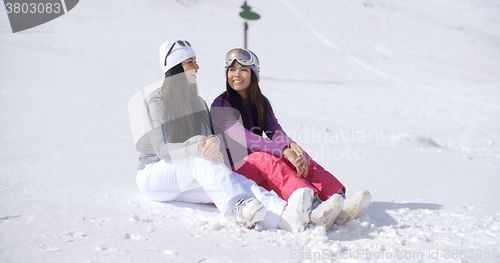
{"x": 181, "y": 43}
{"x": 243, "y": 56}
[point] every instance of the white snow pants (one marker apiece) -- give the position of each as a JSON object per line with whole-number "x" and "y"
{"x": 158, "y": 181}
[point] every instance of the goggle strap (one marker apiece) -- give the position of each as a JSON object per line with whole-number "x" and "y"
{"x": 180, "y": 42}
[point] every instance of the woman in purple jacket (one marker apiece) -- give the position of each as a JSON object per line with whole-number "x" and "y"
{"x": 241, "y": 116}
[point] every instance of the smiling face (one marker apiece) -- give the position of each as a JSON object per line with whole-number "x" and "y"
{"x": 239, "y": 78}
{"x": 190, "y": 69}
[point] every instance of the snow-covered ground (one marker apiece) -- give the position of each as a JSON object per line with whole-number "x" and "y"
{"x": 398, "y": 97}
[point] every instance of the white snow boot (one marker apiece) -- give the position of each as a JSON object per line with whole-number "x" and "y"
{"x": 295, "y": 216}
{"x": 354, "y": 206}
{"x": 247, "y": 212}
{"x": 327, "y": 211}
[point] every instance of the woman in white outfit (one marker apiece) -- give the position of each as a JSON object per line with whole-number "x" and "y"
{"x": 180, "y": 158}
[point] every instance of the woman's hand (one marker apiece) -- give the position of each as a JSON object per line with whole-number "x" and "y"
{"x": 209, "y": 149}
{"x": 303, "y": 161}
{"x": 298, "y": 160}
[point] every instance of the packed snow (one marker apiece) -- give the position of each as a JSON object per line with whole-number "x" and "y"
{"x": 401, "y": 98}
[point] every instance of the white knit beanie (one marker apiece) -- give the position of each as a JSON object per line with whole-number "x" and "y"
{"x": 177, "y": 55}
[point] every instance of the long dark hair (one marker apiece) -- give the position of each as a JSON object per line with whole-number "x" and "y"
{"x": 185, "y": 114}
{"x": 260, "y": 104}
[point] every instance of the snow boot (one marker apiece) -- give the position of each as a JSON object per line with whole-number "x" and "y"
{"x": 354, "y": 206}
{"x": 247, "y": 212}
{"x": 295, "y": 216}
{"x": 327, "y": 211}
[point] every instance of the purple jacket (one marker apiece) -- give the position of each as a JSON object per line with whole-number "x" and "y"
{"x": 239, "y": 140}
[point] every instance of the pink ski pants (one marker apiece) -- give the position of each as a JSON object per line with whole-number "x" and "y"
{"x": 278, "y": 174}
